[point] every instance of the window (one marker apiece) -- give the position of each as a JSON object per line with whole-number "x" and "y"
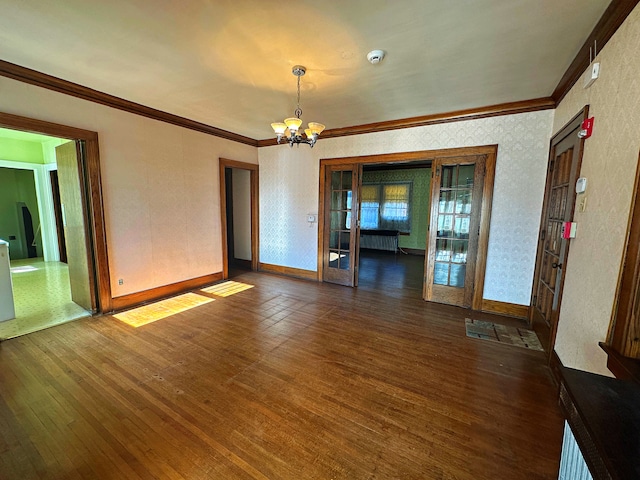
{"x": 386, "y": 206}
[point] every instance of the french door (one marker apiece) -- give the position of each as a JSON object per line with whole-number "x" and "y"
{"x": 565, "y": 158}
{"x": 454, "y": 230}
{"x": 341, "y": 224}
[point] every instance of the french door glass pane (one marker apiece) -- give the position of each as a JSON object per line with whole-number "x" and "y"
{"x": 346, "y": 180}
{"x": 441, "y": 273}
{"x": 454, "y": 217}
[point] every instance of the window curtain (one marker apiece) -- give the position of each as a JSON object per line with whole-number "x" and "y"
{"x": 386, "y": 206}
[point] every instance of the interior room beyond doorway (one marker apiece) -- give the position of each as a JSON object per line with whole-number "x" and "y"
{"x": 32, "y": 224}
{"x": 394, "y": 220}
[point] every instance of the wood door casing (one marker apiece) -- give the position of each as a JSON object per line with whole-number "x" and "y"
{"x": 565, "y": 158}
{"x": 74, "y": 213}
{"x": 341, "y": 224}
{"x": 223, "y": 164}
{"x": 57, "y": 210}
{"x": 454, "y": 233}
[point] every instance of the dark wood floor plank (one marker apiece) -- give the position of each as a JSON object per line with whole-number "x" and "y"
{"x": 286, "y": 380}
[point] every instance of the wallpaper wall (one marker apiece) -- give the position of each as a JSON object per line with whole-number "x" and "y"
{"x": 420, "y": 179}
{"x": 160, "y": 187}
{"x": 289, "y": 191}
{"x": 609, "y": 163}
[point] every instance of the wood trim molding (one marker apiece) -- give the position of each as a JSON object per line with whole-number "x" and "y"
{"x": 510, "y": 108}
{"x": 93, "y": 184}
{"x": 289, "y": 271}
{"x": 253, "y": 168}
{"x": 138, "y": 298}
{"x": 505, "y": 308}
{"x": 615, "y": 14}
{"x": 555, "y": 364}
{"x": 33, "y": 77}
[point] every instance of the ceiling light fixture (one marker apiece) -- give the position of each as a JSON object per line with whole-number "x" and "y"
{"x": 289, "y": 129}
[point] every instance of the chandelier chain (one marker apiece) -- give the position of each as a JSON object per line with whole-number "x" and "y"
{"x": 298, "y": 111}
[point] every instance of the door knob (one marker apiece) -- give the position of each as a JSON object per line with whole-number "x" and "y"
{"x": 556, "y": 265}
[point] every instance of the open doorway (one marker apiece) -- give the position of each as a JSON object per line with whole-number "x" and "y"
{"x": 394, "y": 219}
{"x": 46, "y": 291}
{"x": 459, "y": 218}
{"x": 239, "y": 213}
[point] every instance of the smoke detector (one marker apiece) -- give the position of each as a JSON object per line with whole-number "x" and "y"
{"x": 375, "y": 56}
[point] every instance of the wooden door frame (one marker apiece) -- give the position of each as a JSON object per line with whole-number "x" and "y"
{"x": 562, "y": 134}
{"x": 91, "y": 188}
{"x": 491, "y": 151}
{"x": 254, "y": 182}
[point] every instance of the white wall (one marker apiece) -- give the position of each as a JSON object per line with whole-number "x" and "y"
{"x": 289, "y": 191}
{"x": 609, "y": 163}
{"x": 241, "y": 181}
{"x": 160, "y": 187}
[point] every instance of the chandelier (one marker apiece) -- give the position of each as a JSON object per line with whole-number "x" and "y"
{"x": 289, "y": 130}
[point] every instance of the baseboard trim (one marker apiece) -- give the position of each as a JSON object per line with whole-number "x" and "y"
{"x": 241, "y": 263}
{"x": 504, "y": 308}
{"x": 555, "y": 364}
{"x": 138, "y": 298}
{"x": 413, "y": 251}
{"x": 289, "y": 271}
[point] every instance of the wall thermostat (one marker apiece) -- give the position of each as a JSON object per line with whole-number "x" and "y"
{"x": 581, "y": 185}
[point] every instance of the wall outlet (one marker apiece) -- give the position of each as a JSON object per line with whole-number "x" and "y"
{"x": 120, "y": 281}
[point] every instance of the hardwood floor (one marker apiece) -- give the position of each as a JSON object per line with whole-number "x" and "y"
{"x": 287, "y": 380}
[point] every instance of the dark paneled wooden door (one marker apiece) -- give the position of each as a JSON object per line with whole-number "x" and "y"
{"x": 564, "y": 165}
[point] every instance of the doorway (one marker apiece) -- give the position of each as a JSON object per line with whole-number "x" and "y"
{"x": 394, "y": 220}
{"x": 94, "y": 293}
{"x": 342, "y": 196}
{"x": 239, "y": 214}
{"x": 565, "y": 158}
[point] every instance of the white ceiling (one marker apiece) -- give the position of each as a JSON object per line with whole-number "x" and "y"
{"x": 228, "y": 63}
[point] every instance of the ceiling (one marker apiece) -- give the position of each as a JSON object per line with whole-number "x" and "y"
{"x": 228, "y": 63}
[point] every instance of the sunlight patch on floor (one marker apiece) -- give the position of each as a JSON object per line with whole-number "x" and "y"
{"x": 226, "y": 289}
{"x": 157, "y": 311}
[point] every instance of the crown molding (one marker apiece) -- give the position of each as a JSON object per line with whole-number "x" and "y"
{"x": 614, "y": 16}
{"x": 33, "y": 77}
{"x": 509, "y": 108}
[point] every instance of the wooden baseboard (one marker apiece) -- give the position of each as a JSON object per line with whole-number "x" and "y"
{"x": 289, "y": 271}
{"x": 413, "y": 251}
{"x": 504, "y": 308}
{"x": 241, "y": 263}
{"x": 555, "y": 364}
{"x": 138, "y": 298}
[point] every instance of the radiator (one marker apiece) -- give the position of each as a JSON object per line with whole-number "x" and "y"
{"x": 572, "y": 464}
{"x": 379, "y": 242}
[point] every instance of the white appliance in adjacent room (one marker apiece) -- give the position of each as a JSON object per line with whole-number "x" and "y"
{"x": 7, "y": 308}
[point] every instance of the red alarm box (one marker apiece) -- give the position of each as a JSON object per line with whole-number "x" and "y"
{"x": 586, "y": 129}
{"x": 569, "y": 230}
